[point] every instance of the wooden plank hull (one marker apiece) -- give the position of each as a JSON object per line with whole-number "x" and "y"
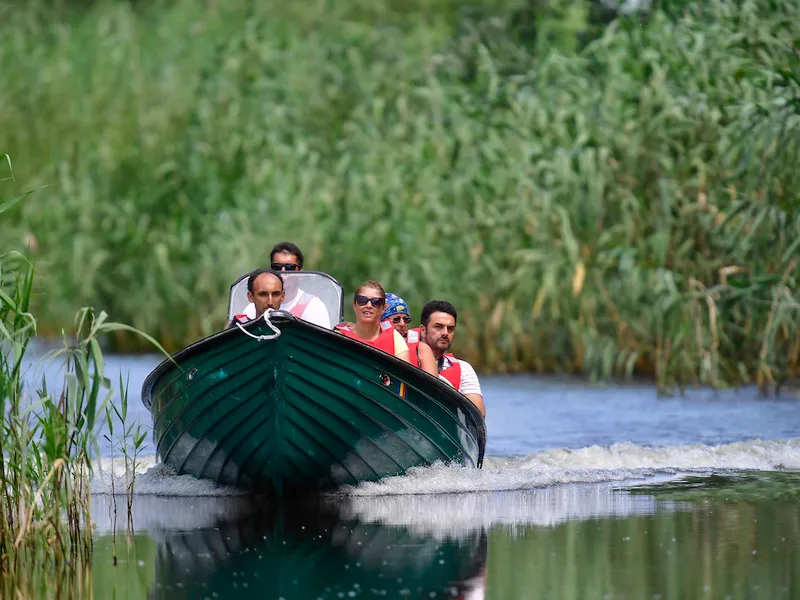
{"x": 310, "y": 410}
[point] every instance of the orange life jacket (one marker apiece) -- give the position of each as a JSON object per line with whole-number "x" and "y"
{"x": 385, "y": 341}
{"x": 453, "y": 372}
{"x": 413, "y": 341}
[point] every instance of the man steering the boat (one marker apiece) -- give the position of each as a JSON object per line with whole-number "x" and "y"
{"x": 286, "y": 256}
{"x": 438, "y": 329}
{"x": 264, "y": 290}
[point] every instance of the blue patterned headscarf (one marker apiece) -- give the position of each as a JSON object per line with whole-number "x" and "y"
{"x": 395, "y": 305}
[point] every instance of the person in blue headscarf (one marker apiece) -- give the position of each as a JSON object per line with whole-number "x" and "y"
{"x": 421, "y": 354}
{"x": 396, "y": 312}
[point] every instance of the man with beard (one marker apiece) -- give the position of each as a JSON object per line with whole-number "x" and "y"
{"x": 437, "y": 329}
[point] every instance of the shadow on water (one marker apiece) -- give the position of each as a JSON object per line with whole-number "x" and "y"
{"x": 419, "y": 546}
{"x": 246, "y": 548}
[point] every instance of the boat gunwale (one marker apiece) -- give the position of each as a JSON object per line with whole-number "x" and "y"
{"x": 405, "y": 369}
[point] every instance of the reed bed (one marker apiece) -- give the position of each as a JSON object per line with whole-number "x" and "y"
{"x": 598, "y": 192}
{"x": 44, "y": 449}
{"x": 47, "y": 441}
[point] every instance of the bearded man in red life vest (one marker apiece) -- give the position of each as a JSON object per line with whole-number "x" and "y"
{"x": 286, "y": 256}
{"x": 264, "y": 290}
{"x": 437, "y": 329}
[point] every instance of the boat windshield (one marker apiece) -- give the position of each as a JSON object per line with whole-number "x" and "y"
{"x": 301, "y": 287}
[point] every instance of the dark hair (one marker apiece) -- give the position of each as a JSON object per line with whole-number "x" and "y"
{"x": 288, "y": 248}
{"x": 372, "y": 284}
{"x": 437, "y": 306}
{"x": 255, "y": 275}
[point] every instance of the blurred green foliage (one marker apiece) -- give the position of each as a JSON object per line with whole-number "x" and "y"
{"x": 598, "y": 191}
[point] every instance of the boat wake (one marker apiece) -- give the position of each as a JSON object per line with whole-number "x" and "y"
{"x": 154, "y": 479}
{"x": 593, "y": 464}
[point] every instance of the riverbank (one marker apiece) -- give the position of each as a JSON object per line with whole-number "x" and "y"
{"x": 621, "y": 199}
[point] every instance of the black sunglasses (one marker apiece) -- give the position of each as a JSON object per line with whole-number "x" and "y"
{"x": 287, "y": 266}
{"x": 399, "y": 318}
{"x": 376, "y": 302}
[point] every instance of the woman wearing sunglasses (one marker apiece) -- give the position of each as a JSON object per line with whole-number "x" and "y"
{"x": 368, "y": 304}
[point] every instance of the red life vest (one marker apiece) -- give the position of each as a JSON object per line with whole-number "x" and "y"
{"x": 298, "y": 309}
{"x": 385, "y": 341}
{"x": 241, "y": 318}
{"x": 453, "y": 372}
{"x": 413, "y": 341}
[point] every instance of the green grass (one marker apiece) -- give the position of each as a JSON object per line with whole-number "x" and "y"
{"x": 595, "y": 198}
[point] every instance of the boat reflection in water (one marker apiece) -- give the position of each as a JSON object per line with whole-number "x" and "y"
{"x": 331, "y": 549}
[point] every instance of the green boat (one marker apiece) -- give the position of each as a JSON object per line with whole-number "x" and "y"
{"x": 286, "y": 406}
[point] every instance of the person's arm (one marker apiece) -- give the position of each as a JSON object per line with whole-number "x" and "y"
{"x": 477, "y": 400}
{"x": 471, "y": 387}
{"x": 401, "y": 347}
{"x": 427, "y": 361}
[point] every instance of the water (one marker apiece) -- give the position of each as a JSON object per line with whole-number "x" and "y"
{"x": 588, "y": 492}
{"x": 569, "y": 541}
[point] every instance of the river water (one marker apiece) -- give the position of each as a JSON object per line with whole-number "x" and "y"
{"x": 588, "y": 491}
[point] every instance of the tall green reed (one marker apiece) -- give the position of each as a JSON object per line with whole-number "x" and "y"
{"x": 615, "y": 206}
{"x": 44, "y": 449}
{"x": 47, "y": 441}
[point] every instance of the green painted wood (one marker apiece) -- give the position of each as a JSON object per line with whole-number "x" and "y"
{"x": 309, "y": 410}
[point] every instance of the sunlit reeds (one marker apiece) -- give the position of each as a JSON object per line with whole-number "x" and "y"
{"x": 624, "y": 204}
{"x": 43, "y": 450}
{"x": 47, "y": 442}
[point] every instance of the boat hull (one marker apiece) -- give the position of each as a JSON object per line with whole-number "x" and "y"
{"x": 309, "y": 410}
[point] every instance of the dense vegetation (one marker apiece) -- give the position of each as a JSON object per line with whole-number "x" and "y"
{"x": 597, "y": 192}
{"x": 47, "y": 441}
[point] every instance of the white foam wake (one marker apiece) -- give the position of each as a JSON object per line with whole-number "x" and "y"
{"x": 593, "y": 464}
{"x": 153, "y": 479}
{"x": 453, "y": 515}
